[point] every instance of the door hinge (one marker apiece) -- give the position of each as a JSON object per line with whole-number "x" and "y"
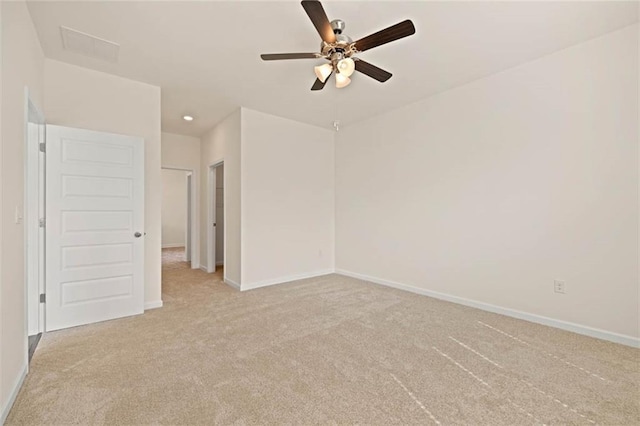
{"x": 43, "y": 147}
{"x": 43, "y": 298}
{"x": 42, "y": 222}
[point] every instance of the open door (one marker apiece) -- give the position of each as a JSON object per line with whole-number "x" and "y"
{"x": 94, "y": 227}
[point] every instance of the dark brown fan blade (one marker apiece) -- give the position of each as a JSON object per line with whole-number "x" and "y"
{"x": 394, "y": 32}
{"x": 319, "y": 85}
{"x": 372, "y": 71}
{"x": 319, "y": 18}
{"x": 279, "y": 56}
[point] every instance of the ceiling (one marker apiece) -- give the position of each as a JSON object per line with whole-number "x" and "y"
{"x": 205, "y": 55}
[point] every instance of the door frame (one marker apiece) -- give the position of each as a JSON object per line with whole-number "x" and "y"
{"x": 188, "y": 249}
{"x": 34, "y": 247}
{"x": 193, "y": 218}
{"x": 211, "y": 214}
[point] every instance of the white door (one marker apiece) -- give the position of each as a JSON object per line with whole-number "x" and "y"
{"x": 94, "y": 227}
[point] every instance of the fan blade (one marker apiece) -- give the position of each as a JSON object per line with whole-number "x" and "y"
{"x": 372, "y": 71}
{"x": 320, "y": 21}
{"x": 394, "y": 32}
{"x": 319, "y": 85}
{"x": 279, "y": 56}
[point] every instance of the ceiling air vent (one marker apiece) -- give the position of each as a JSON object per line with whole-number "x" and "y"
{"x": 88, "y": 45}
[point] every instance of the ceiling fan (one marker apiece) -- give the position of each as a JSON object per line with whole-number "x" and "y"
{"x": 339, "y": 49}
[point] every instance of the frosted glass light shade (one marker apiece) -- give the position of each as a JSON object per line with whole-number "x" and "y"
{"x": 346, "y": 66}
{"x": 323, "y": 72}
{"x": 342, "y": 80}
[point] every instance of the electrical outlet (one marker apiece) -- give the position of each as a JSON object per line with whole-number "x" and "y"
{"x": 559, "y": 286}
{"x": 320, "y": 253}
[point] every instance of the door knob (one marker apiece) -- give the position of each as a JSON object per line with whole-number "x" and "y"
{"x": 137, "y": 235}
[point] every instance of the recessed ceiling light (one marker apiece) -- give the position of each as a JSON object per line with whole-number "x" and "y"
{"x": 187, "y": 118}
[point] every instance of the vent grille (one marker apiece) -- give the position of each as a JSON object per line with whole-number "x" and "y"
{"x": 88, "y": 45}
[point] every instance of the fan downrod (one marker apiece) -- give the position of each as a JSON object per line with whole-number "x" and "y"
{"x": 337, "y": 25}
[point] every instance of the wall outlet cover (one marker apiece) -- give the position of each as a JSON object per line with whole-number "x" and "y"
{"x": 559, "y": 286}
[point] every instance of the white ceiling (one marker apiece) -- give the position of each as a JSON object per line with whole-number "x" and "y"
{"x": 205, "y": 55}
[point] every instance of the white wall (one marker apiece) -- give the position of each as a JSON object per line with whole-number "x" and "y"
{"x": 279, "y": 198}
{"x": 22, "y": 65}
{"x": 174, "y": 208}
{"x": 222, "y": 143}
{"x": 180, "y": 151}
{"x": 287, "y": 200}
{"x": 83, "y": 98}
{"x": 492, "y": 190}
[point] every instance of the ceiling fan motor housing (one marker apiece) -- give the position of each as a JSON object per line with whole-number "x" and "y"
{"x": 342, "y": 45}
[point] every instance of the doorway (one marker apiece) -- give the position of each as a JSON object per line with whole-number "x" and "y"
{"x": 179, "y": 220}
{"x": 34, "y": 222}
{"x": 216, "y": 247}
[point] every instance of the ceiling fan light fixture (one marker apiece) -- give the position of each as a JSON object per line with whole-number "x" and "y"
{"x": 346, "y": 66}
{"x": 342, "y": 80}
{"x": 338, "y": 48}
{"x": 323, "y": 71}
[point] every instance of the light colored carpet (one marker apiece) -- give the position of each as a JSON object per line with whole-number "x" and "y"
{"x": 330, "y": 350}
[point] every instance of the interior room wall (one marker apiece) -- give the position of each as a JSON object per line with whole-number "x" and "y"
{"x": 491, "y": 191}
{"x": 180, "y": 151}
{"x": 220, "y": 215}
{"x": 87, "y": 99}
{"x": 222, "y": 143}
{"x": 22, "y": 65}
{"x": 287, "y": 200}
{"x": 174, "y": 208}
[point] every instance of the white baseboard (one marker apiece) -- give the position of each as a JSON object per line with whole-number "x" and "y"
{"x": 286, "y": 279}
{"x": 204, "y": 268}
{"x": 14, "y": 394}
{"x": 538, "y": 319}
{"x": 232, "y": 283}
{"x": 153, "y": 305}
{"x": 173, "y": 246}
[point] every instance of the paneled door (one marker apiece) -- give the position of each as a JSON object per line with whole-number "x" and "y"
{"x": 94, "y": 226}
